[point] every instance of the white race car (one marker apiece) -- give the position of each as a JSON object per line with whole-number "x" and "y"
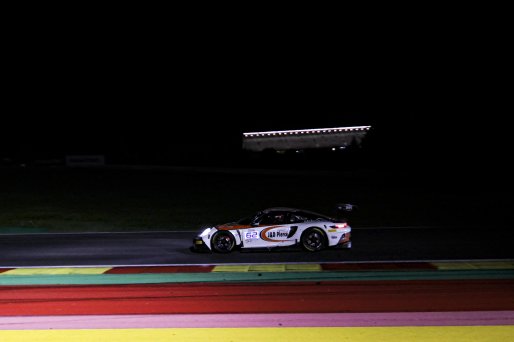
{"x": 276, "y": 227}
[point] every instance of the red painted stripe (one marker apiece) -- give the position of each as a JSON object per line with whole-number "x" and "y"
{"x": 403, "y": 266}
{"x": 2, "y": 270}
{"x": 300, "y": 297}
{"x": 160, "y": 269}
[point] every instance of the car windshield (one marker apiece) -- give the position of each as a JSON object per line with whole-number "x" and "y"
{"x": 248, "y": 220}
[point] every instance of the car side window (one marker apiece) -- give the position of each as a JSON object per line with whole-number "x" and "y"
{"x": 294, "y": 218}
{"x": 311, "y": 217}
{"x": 273, "y": 218}
{"x": 279, "y": 218}
{"x": 265, "y": 219}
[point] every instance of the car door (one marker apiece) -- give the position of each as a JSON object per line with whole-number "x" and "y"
{"x": 269, "y": 230}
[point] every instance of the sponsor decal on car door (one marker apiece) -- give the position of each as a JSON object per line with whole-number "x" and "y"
{"x": 275, "y": 234}
{"x": 266, "y": 236}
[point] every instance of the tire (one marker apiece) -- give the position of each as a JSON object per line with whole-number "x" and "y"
{"x": 223, "y": 242}
{"x": 313, "y": 240}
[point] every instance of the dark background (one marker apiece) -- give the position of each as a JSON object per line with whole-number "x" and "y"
{"x": 153, "y": 89}
{"x": 168, "y": 88}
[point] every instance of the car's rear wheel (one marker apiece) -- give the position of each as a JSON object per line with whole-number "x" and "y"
{"x": 223, "y": 242}
{"x": 313, "y": 239}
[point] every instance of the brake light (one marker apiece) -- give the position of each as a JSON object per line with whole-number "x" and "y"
{"x": 339, "y": 225}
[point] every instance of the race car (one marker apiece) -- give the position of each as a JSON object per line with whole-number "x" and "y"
{"x": 276, "y": 227}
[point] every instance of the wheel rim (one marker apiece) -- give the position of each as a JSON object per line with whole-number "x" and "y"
{"x": 223, "y": 243}
{"x": 314, "y": 240}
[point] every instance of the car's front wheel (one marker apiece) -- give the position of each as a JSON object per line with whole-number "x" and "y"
{"x": 223, "y": 242}
{"x": 313, "y": 239}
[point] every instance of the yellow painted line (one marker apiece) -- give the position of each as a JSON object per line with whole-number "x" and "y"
{"x": 268, "y": 268}
{"x": 304, "y": 268}
{"x": 231, "y": 268}
{"x": 385, "y": 334}
{"x": 453, "y": 266}
{"x": 478, "y": 265}
{"x": 56, "y": 270}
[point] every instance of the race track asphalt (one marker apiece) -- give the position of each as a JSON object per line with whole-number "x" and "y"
{"x": 173, "y": 248}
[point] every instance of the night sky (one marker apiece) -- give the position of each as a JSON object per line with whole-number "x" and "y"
{"x": 93, "y": 89}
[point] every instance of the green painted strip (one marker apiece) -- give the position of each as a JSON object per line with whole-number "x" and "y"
{"x": 99, "y": 279}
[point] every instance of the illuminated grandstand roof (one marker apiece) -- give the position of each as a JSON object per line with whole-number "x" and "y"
{"x": 307, "y": 131}
{"x": 298, "y": 139}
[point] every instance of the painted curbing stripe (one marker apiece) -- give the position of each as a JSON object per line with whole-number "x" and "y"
{"x": 398, "y": 319}
{"x": 269, "y": 268}
{"x": 231, "y": 268}
{"x": 379, "y": 266}
{"x": 87, "y": 279}
{"x": 160, "y": 269}
{"x": 303, "y": 268}
{"x": 480, "y": 265}
{"x": 55, "y": 271}
{"x": 234, "y": 298}
{"x": 357, "y": 334}
{"x": 287, "y": 267}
